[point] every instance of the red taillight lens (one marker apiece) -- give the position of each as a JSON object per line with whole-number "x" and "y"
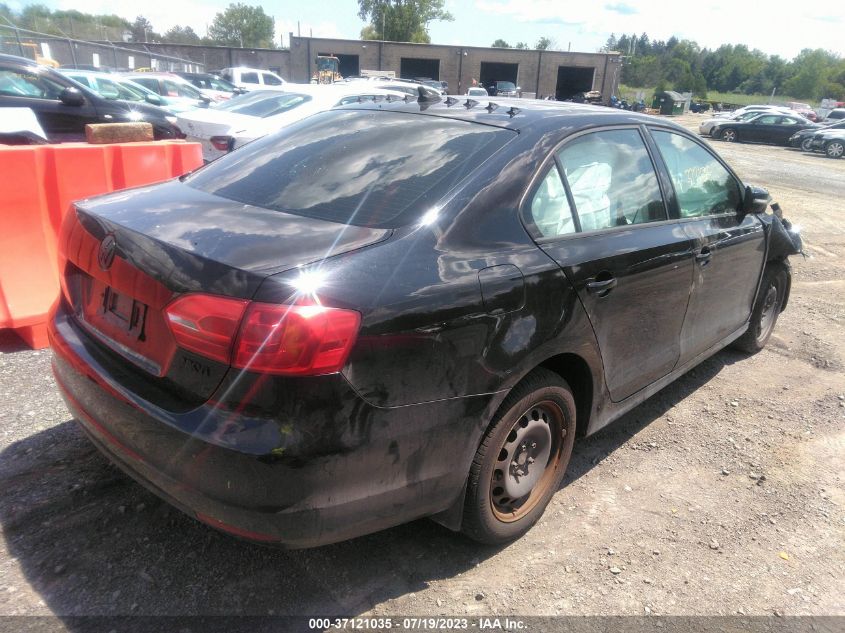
{"x": 222, "y": 143}
{"x": 206, "y": 324}
{"x": 295, "y": 340}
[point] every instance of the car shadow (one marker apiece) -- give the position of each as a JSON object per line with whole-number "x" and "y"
{"x": 90, "y": 541}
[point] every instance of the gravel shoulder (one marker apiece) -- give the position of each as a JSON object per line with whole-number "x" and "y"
{"x": 722, "y": 494}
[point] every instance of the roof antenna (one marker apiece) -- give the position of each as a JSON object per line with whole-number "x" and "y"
{"x": 491, "y": 106}
{"x": 470, "y": 103}
{"x": 425, "y": 96}
{"x": 513, "y": 111}
{"x": 450, "y": 101}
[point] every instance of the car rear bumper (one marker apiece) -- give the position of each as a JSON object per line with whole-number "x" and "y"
{"x": 319, "y": 477}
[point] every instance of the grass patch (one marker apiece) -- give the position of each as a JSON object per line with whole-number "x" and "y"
{"x": 630, "y": 92}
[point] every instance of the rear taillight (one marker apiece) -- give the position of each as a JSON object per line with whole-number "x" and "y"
{"x": 223, "y": 143}
{"x": 295, "y": 340}
{"x": 206, "y": 324}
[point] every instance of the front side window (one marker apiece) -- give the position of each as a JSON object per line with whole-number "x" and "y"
{"x": 249, "y": 78}
{"x": 550, "y": 210}
{"x": 767, "y": 119}
{"x": 612, "y": 180}
{"x": 271, "y": 80}
{"x": 702, "y": 184}
{"x": 149, "y": 83}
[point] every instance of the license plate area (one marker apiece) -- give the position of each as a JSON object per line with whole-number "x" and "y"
{"x": 124, "y": 313}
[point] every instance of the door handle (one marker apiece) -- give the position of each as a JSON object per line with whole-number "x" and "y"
{"x": 703, "y": 256}
{"x": 601, "y": 288}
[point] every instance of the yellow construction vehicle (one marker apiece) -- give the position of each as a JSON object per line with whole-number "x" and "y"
{"x": 328, "y": 70}
{"x": 36, "y": 55}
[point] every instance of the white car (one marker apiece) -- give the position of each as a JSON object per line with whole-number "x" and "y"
{"x": 478, "y": 91}
{"x": 229, "y": 125}
{"x": 753, "y": 108}
{"x": 252, "y": 78}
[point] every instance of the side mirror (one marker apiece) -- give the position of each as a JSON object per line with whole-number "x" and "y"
{"x": 206, "y": 100}
{"x": 72, "y": 97}
{"x": 755, "y": 200}
{"x": 154, "y": 99}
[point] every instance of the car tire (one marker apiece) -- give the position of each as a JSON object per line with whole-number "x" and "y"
{"x": 535, "y": 424}
{"x": 728, "y": 135}
{"x": 807, "y": 144}
{"x": 834, "y": 149}
{"x": 769, "y": 304}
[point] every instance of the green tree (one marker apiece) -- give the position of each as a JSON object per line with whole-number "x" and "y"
{"x": 521, "y": 45}
{"x": 500, "y": 43}
{"x": 401, "y": 20}
{"x": 180, "y": 35}
{"x": 544, "y": 44}
{"x": 142, "y": 30}
{"x": 812, "y": 71}
{"x": 243, "y": 25}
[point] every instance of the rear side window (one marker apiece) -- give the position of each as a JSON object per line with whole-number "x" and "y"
{"x": 270, "y": 80}
{"x": 249, "y": 78}
{"x": 263, "y": 105}
{"x": 612, "y": 180}
{"x": 550, "y": 208}
{"x": 377, "y": 169}
{"x": 702, "y": 184}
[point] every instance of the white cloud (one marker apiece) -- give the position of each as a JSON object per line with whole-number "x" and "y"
{"x": 162, "y": 15}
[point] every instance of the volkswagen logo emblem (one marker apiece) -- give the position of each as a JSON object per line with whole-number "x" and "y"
{"x": 105, "y": 256}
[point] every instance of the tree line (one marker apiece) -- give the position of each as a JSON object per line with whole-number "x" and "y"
{"x": 237, "y": 25}
{"x": 682, "y": 64}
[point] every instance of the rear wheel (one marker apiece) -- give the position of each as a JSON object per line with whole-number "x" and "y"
{"x": 766, "y": 310}
{"x": 834, "y": 149}
{"x": 728, "y": 135}
{"x": 521, "y": 460}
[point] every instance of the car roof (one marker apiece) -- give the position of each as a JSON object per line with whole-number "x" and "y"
{"x": 17, "y": 59}
{"x": 517, "y": 114}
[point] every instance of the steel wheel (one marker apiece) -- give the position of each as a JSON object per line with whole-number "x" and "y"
{"x": 728, "y": 135}
{"x": 835, "y": 149}
{"x": 527, "y": 461}
{"x": 521, "y": 459}
{"x": 770, "y": 312}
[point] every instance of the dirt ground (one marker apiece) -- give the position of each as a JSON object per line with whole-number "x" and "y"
{"x": 722, "y": 494}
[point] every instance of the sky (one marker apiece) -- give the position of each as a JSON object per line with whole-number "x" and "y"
{"x": 782, "y": 27}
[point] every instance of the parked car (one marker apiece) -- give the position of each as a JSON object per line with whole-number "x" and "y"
{"x": 804, "y": 138}
{"x": 243, "y": 119}
{"x": 835, "y": 114}
{"x": 382, "y": 313}
{"x": 64, "y": 107}
{"x": 753, "y": 108}
{"x": 174, "y": 89}
{"x": 406, "y": 86}
{"x": 477, "y": 91}
{"x": 212, "y": 86}
{"x": 829, "y": 142}
{"x": 503, "y": 89}
{"x": 434, "y": 85}
{"x": 107, "y": 85}
{"x": 804, "y": 110}
{"x": 252, "y": 78}
{"x": 706, "y": 126}
{"x": 765, "y": 128}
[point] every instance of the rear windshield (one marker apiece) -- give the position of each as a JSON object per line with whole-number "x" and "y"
{"x": 264, "y": 104}
{"x": 367, "y": 168}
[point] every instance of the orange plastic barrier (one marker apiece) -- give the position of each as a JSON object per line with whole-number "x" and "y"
{"x": 37, "y": 185}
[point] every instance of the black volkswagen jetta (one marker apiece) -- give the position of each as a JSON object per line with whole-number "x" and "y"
{"x": 399, "y": 310}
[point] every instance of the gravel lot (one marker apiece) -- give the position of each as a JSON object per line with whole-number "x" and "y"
{"x": 722, "y": 494}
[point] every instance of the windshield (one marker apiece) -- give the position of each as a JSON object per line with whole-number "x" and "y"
{"x": 505, "y": 85}
{"x": 264, "y": 104}
{"x": 367, "y": 168}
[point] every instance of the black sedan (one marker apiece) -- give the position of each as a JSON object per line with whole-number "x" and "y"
{"x": 804, "y": 138}
{"x": 765, "y": 128}
{"x": 64, "y": 107}
{"x": 404, "y": 309}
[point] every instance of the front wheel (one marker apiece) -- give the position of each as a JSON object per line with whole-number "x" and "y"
{"x": 834, "y": 149}
{"x": 766, "y": 310}
{"x": 521, "y": 460}
{"x": 728, "y": 135}
{"x": 807, "y": 144}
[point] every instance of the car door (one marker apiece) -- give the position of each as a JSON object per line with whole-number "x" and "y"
{"x": 729, "y": 248}
{"x": 31, "y": 87}
{"x": 599, "y": 212}
{"x": 787, "y": 126}
{"x": 760, "y": 129}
